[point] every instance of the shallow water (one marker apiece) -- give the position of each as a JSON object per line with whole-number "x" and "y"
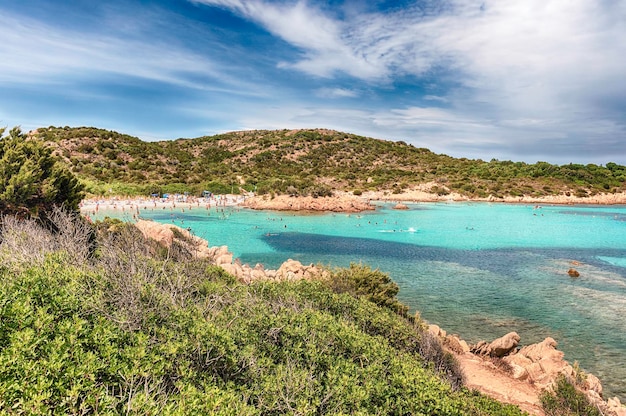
{"x": 477, "y": 269}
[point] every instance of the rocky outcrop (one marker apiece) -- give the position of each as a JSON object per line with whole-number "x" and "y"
{"x": 291, "y": 270}
{"x": 452, "y": 342}
{"x": 288, "y": 203}
{"x": 437, "y": 331}
{"x": 401, "y": 206}
{"x": 497, "y": 348}
{"x": 167, "y": 234}
{"x": 540, "y": 365}
{"x": 456, "y": 344}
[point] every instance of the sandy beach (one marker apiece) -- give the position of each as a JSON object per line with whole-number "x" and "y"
{"x": 135, "y": 205}
{"x": 341, "y": 202}
{"x": 423, "y": 196}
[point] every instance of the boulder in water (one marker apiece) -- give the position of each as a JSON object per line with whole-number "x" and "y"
{"x": 573, "y": 273}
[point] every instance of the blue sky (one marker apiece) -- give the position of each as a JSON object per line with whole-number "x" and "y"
{"x": 525, "y": 80}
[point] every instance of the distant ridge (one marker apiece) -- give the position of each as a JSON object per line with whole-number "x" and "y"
{"x": 313, "y": 162}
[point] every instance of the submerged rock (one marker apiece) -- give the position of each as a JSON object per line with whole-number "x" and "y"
{"x": 573, "y": 273}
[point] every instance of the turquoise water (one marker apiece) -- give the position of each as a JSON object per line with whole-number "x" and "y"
{"x": 477, "y": 269}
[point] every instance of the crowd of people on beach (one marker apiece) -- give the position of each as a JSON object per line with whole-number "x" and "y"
{"x": 133, "y": 206}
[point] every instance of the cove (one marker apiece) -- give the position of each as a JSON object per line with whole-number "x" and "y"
{"x": 478, "y": 270}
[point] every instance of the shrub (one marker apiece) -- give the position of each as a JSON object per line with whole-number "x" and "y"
{"x": 317, "y": 191}
{"x": 131, "y": 331}
{"x": 24, "y": 242}
{"x": 564, "y": 399}
{"x": 374, "y": 285}
{"x": 581, "y": 193}
{"x": 441, "y": 191}
{"x": 443, "y": 362}
{"x": 31, "y": 180}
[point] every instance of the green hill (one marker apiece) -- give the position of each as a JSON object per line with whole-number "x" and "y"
{"x": 314, "y": 162}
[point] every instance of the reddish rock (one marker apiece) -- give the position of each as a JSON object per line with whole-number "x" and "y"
{"x": 456, "y": 344}
{"x": 436, "y": 331}
{"x": 542, "y": 361}
{"x": 307, "y": 203}
{"x": 573, "y": 273}
{"x": 504, "y": 345}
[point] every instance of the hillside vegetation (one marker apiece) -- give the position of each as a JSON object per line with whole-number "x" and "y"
{"x": 32, "y": 181}
{"x": 119, "y": 325}
{"x": 312, "y": 162}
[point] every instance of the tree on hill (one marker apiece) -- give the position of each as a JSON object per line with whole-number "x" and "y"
{"x": 32, "y": 181}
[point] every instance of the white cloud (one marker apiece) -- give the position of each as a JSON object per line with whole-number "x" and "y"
{"x": 320, "y": 37}
{"x": 336, "y": 93}
{"x": 511, "y": 77}
{"x": 35, "y": 53}
{"x": 533, "y": 69}
{"x": 435, "y": 98}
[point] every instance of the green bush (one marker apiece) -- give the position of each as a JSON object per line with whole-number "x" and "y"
{"x": 374, "y": 285}
{"x": 128, "y": 331}
{"x": 566, "y": 400}
{"x": 31, "y": 179}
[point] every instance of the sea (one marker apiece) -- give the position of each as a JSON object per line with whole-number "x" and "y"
{"x": 479, "y": 270}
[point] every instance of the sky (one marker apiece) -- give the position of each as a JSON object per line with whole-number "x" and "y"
{"x": 522, "y": 80}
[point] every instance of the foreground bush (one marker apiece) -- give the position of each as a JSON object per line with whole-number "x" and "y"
{"x": 143, "y": 335}
{"x": 566, "y": 400}
{"x": 32, "y": 181}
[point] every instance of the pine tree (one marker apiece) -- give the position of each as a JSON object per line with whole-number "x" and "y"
{"x": 32, "y": 181}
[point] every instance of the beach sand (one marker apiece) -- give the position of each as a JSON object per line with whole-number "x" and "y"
{"x": 133, "y": 206}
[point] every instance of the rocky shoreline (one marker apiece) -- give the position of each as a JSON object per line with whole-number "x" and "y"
{"x": 165, "y": 234}
{"x": 422, "y": 193}
{"x": 349, "y": 203}
{"x": 518, "y": 375}
{"x": 343, "y": 203}
{"x": 500, "y": 368}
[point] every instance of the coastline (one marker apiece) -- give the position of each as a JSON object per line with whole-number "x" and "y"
{"x": 421, "y": 195}
{"x": 341, "y": 202}
{"x": 528, "y": 371}
{"x": 133, "y": 206}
